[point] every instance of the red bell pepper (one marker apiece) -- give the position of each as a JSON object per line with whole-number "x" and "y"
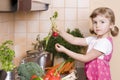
{"x": 52, "y": 75}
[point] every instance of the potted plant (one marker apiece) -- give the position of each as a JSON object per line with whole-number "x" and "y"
{"x": 6, "y": 56}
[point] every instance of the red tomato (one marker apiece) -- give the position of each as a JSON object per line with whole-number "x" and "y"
{"x": 33, "y": 77}
{"x": 55, "y": 34}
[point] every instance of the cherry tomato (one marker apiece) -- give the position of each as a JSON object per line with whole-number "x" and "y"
{"x": 55, "y": 34}
{"x": 33, "y": 77}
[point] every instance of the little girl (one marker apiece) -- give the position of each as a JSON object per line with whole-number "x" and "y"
{"x": 100, "y": 46}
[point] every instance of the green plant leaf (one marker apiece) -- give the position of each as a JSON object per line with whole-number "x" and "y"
{"x": 50, "y": 47}
{"x": 6, "y": 55}
{"x": 55, "y": 14}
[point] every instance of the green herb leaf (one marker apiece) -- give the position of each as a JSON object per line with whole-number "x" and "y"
{"x": 53, "y": 40}
{"x": 6, "y": 55}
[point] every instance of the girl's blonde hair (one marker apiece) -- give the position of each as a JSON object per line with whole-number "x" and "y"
{"x": 108, "y": 13}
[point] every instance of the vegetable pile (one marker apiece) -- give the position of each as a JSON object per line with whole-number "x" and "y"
{"x": 53, "y": 74}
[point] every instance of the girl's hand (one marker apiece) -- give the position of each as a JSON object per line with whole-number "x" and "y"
{"x": 59, "y": 47}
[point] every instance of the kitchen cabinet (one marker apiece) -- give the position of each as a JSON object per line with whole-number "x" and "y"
{"x": 23, "y": 5}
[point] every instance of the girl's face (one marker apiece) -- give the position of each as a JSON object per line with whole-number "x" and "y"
{"x": 101, "y": 25}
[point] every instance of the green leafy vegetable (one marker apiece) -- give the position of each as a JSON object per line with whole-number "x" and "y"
{"x": 50, "y": 47}
{"x": 25, "y": 71}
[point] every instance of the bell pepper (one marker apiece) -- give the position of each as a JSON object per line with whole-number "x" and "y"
{"x": 52, "y": 75}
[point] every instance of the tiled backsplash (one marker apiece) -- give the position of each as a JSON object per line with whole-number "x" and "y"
{"x": 23, "y": 27}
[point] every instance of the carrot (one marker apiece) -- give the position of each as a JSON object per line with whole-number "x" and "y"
{"x": 54, "y": 67}
{"x": 61, "y": 70}
{"x": 66, "y": 66}
{"x": 70, "y": 66}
